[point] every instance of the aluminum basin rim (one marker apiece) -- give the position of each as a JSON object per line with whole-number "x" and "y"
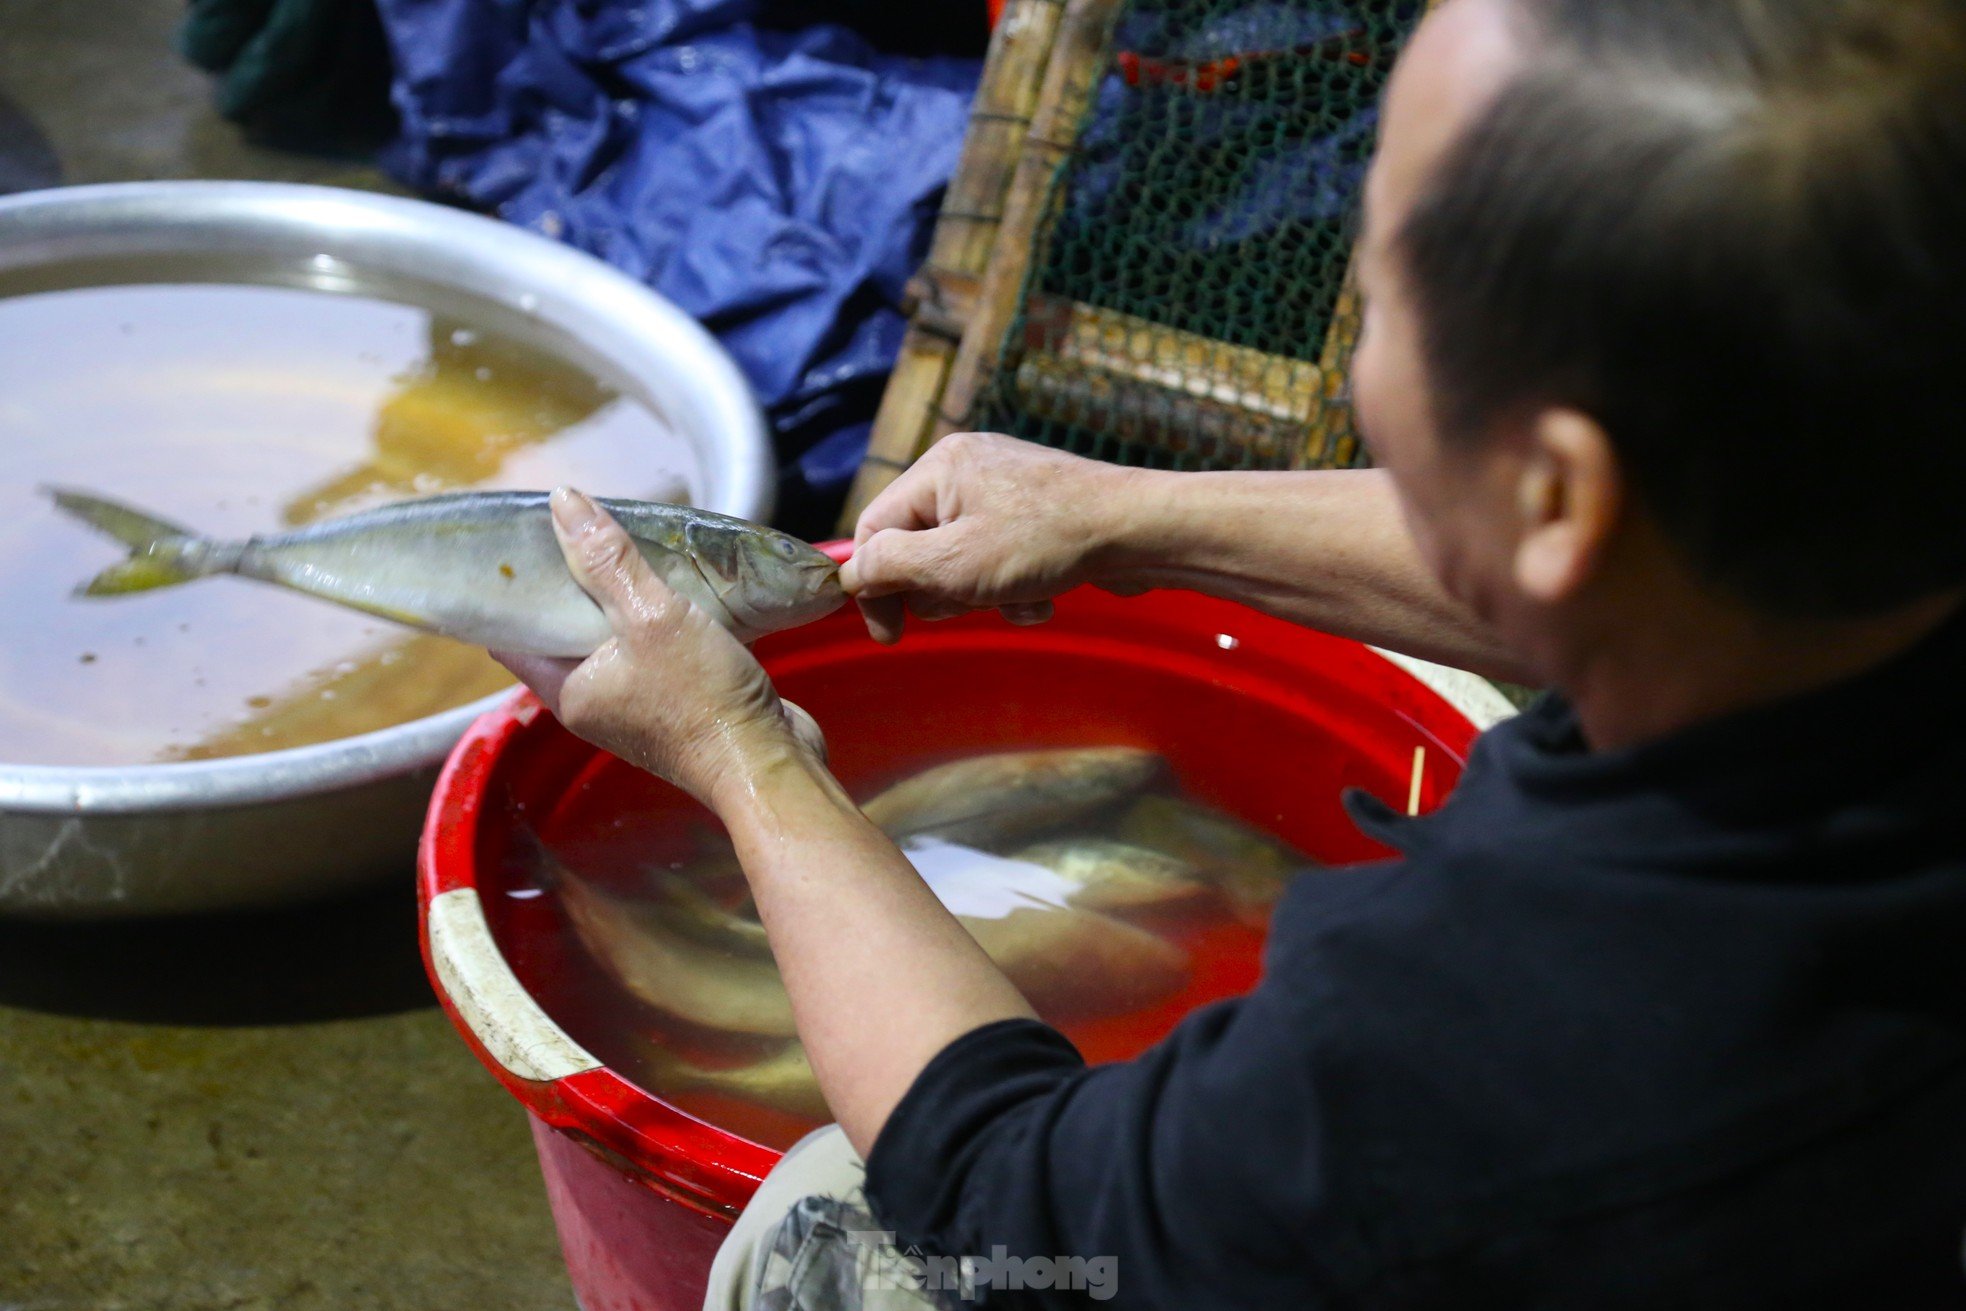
{"x": 468, "y": 253}
{"x": 270, "y": 776}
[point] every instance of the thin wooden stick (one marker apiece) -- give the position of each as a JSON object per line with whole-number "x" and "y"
{"x": 1419, "y": 772}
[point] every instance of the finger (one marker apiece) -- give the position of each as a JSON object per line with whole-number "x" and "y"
{"x": 922, "y": 605}
{"x": 885, "y": 616}
{"x": 1026, "y": 613}
{"x": 869, "y": 564}
{"x": 901, "y": 560}
{"x": 907, "y": 503}
{"x": 545, "y": 675}
{"x": 806, "y": 729}
{"x": 605, "y": 561}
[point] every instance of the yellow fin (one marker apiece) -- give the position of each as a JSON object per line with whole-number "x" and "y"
{"x": 139, "y": 573}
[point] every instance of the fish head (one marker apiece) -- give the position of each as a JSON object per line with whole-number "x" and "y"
{"x": 768, "y": 580}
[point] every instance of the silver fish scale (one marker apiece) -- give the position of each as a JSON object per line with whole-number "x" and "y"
{"x": 497, "y": 577}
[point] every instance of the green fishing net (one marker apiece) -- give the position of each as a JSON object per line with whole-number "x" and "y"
{"x": 1189, "y": 274}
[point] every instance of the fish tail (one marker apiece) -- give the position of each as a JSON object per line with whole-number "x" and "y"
{"x": 161, "y": 553}
{"x": 133, "y": 528}
{"x": 139, "y": 573}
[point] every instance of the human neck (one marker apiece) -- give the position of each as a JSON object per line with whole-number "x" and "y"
{"x": 1710, "y": 660}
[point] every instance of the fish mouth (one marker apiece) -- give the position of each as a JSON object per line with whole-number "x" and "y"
{"x": 823, "y": 576}
{"x": 822, "y": 586}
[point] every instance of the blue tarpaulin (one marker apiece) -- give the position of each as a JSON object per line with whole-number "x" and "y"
{"x": 769, "y": 168}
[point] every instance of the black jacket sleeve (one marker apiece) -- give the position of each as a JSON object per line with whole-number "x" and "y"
{"x": 1007, "y": 1140}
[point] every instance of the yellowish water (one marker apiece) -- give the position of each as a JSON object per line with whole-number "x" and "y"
{"x": 249, "y": 409}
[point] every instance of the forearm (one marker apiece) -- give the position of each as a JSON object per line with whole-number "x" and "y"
{"x": 1328, "y": 550}
{"x": 881, "y": 975}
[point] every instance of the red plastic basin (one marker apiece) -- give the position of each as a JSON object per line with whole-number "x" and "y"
{"x": 1256, "y": 716}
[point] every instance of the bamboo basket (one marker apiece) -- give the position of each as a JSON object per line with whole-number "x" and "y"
{"x": 986, "y": 335}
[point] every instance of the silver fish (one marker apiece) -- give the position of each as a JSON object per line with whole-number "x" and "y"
{"x": 782, "y": 1081}
{"x": 1251, "y": 867}
{"x": 1111, "y": 878}
{"x": 640, "y": 944}
{"x": 1116, "y": 877}
{"x": 993, "y": 800}
{"x": 1079, "y": 965}
{"x": 483, "y": 567}
{"x": 709, "y": 966}
{"x": 684, "y": 906}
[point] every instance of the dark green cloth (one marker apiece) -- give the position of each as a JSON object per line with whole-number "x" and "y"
{"x": 302, "y": 74}
{"x": 27, "y": 160}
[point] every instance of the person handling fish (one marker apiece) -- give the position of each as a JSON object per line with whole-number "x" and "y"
{"x": 1665, "y": 1007}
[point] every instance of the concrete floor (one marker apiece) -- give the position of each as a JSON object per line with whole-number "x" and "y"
{"x": 247, "y": 1112}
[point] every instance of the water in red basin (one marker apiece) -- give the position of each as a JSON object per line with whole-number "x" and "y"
{"x": 1260, "y": 719}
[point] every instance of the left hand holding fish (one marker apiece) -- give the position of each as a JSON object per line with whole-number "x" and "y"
{"x": 677, "y": 694}
{"x": 672, "y": 691}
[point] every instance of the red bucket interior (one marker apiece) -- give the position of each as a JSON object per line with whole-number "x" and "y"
{"x": 1265, "y": 720}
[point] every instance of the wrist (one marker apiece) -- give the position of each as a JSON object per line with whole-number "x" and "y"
{"x": 1131, "y": 525}
{"x": 766, "y": 779}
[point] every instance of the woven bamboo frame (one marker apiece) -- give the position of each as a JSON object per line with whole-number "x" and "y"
{"x": 1046, "y": 59}
{"x": 966, "y": 233}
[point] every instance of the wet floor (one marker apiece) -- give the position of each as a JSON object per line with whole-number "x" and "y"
{"x": 263, "y": 1111}
{"x": 254, "y": 1111}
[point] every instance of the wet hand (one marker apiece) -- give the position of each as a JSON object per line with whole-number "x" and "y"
{"x": 982, "y": 522}
{"x": 672, "y": 691}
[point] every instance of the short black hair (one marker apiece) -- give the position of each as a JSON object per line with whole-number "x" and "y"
{"x": 1733, "y": 232}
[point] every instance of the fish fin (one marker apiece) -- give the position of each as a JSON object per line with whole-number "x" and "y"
{"x": 139, "y": 573}
{"x": 151, "y": 564}
{"x": 132, "y": 527}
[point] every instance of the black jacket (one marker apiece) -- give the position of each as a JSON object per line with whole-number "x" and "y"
{"x": 1678, "y": 1027}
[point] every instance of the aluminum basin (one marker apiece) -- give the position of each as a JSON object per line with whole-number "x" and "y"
{"x": 98, "y": 842}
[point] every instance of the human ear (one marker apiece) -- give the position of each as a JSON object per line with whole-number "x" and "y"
{"x": 1569, "y": 494}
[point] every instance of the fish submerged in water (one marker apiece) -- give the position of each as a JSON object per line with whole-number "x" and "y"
{"x": 483, "y": 567}
{"x": 1069, "y": 965}
{"x": 987, "y": 801}
{"x": 683, "y": 954}
{"x": 1251, "y": 867}
{"x": 670, "y": 966}
{"x": 684, "y": 905}
{"x": 1116, "y": 877}
{"x": 1078, "y": 965}
{"x": 1091, "y": 874}
{"x": 782, "y": 1081}
{"x": 1051, "y": 955}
